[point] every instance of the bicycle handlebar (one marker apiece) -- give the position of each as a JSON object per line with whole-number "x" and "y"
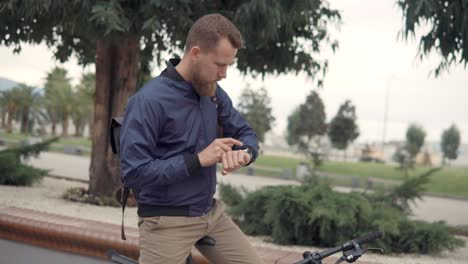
{"x": 343, "y": 247}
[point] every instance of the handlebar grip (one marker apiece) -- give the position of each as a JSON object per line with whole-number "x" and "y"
{"x": 344, "y": 247}
{"x": 369, "y": 237}
{"x": 349, "y": 245}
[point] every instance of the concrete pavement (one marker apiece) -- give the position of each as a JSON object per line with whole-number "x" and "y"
{"x": 454, "y": 212}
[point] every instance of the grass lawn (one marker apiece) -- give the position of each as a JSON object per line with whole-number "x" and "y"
{"x": 12, "y": 136}
{"x": 57, "y": 146}
{"x": 448, "y": 181}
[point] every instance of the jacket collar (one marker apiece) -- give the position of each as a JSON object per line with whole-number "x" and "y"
{"x": 171, "y": 72}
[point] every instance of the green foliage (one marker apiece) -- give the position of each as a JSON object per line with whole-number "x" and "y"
{"x": 230, "y": 195}
{"x": 20, "y": 174}
{"x": 343, "y": 128}
{"x": 313, "y": 214}
{"x": 11, "y": 102}
{"x": 415, "y": 136}
{"x": 59, "y": 98}
{"x": 403, "y": 158}
{"x": 255, "y": 107}
{"x": 13, "y": 172}
{"x": 280, "y": 36}
{"x": 446, "y": 25}
{"x": 405, "y": 155}
{"x": 82, "y": 102}
{"x": 306, "y": 123}
{"x": 23, "y": 103}
{"x": 450, "y": 142}
{"x": 30, "y": 108}
{"x": 420, "y": 237}
{"x": 402, "y": 195}
{"x": 252, "y": 210}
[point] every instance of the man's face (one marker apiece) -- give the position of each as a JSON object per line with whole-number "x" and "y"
{"x": 209, "y": 67}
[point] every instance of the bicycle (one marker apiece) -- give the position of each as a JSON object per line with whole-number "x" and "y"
{"x": 352, "y": 251}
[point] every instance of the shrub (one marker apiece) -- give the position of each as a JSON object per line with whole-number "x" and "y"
{"x": 79, "y": 194}
{"x": 313, "y": 214}
{"x": 13, "y": 172}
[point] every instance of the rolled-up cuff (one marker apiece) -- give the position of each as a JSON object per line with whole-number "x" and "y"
{"x": 192, "y": 162}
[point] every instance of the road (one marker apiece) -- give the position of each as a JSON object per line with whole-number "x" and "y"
{"x": 452, "y": 211}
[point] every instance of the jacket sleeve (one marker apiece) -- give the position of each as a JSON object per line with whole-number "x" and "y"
{"x": 139, "y": 135}
{"x": 235, "y": 126}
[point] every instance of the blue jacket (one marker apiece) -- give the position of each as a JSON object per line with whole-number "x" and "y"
{"x": 166, "y": 123}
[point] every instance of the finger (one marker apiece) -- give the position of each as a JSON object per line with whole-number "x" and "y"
{"x": 224, "y": 147}
{"x": 219, "y": 152}
{"x": 240, "y": 157}
{"x": 231, "y": 141}
{"x": 230, "y": 160}
{"x": 225, "y": 162}
{"x": 224, "y": 172}
{"x": 247, "y": 158}
{"x": 235, "y": 159}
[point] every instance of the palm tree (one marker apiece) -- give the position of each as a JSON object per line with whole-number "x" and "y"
{"x": 11, "y": 98}
{"x": 3, "y": 109}
{"x": 59, "y": 97}
{"x": 29, "y": 100}
{"x": 83, "y": 103}
{"x": 65, "y": 104}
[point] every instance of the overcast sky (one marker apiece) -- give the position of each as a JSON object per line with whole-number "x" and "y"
{"x": 370, "y": 61}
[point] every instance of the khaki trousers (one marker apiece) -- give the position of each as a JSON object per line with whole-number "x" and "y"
{"x": 169, "y": 239}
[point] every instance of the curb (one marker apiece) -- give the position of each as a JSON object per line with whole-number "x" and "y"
{"x": 93, "y": 238}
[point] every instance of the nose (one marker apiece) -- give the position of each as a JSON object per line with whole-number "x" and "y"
{"x": 222, "y": 73}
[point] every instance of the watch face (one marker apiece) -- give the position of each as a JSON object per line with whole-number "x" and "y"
{"x": 247, "y": 150}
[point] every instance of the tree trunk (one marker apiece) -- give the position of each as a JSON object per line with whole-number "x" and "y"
{"x": 116, "y": 77}
{"x": 65, "y": 127}
{"x": 24, "y": 121}
{"x": 3, "y": 119}
{"x": 54, "y": 128}
{"x": 9, "y": 127}
{"x": 91, "y": 126}
{"x": 77, "y": 125}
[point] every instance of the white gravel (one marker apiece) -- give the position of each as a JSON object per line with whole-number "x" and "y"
{"x": 46, "y": 196}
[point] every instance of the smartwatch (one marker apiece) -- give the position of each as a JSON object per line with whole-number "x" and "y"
{"x": 248, "y": 151}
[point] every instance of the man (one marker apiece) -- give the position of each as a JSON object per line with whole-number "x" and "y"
{"x": 169, "y": 150}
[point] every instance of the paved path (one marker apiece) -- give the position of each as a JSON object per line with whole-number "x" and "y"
{"x": 454, "y": 212}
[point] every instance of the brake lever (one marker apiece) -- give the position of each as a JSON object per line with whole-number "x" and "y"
{"x": 351, "y": 256}
{"x": 379, "y": 250}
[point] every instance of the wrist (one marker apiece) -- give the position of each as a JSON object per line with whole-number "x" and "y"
{"x": 249, "y": 152}
{"x": 201, "y": 159}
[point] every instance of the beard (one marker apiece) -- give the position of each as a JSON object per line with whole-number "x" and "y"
{"x": 201, "y": 86}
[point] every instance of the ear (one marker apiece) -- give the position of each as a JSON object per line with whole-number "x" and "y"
{"x": 195, "y": 53}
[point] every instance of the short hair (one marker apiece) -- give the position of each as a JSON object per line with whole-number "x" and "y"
{"x": 209, "y": 29}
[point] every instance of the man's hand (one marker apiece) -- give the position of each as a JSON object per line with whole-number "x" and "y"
{"x": 233, "y": 160}
{"x": 214, "y": 152}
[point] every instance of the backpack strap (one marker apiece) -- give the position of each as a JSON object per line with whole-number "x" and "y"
{"x": 214, "y": 99}
{"x": 123, "y": 192}
{"x": 116, "y": 124}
